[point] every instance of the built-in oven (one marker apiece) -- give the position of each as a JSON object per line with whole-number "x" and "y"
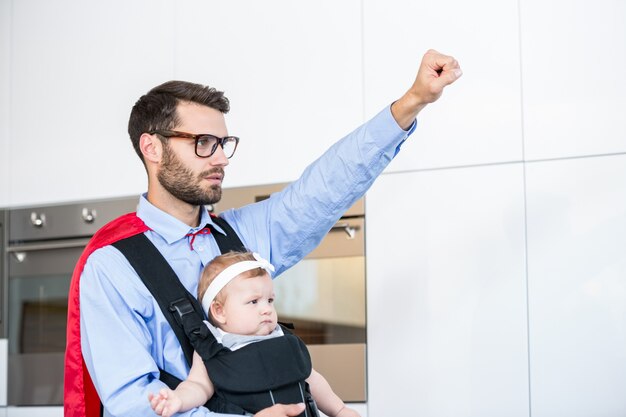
{"x": 324, "y": 296}
{"x": 43, "y": 246}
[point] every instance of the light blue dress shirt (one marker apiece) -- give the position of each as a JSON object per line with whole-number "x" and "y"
{"x": 124, "y": 336}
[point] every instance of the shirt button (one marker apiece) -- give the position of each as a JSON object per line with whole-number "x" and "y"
{"x": 201, "y": 249}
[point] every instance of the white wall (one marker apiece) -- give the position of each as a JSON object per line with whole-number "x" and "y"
{"x": 495, "y": 238}
{"x": 575, "y": 207}
{"x": 503, "y": 280}
{"x": 576, "y": 224}
{"x": 5, "y": 88}
{"x": 293, "y": 72}
{"x": 446, "y": 307}
{"x": 479, "y": 120}
{"x": 76, "y": 70}
{"x": 573, "y": 105}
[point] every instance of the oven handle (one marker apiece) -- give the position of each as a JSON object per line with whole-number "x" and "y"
{"x": 349, "y": 229}
{"x": 65, "y": 244}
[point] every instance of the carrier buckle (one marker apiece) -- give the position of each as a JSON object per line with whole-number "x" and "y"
{"x": 182, "y": 307}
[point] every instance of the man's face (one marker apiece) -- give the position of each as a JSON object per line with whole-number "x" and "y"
{"x": 187, "y": 177}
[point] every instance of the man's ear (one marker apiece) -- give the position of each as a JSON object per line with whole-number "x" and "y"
{"x": 151, "y": 147}
{"x": 217, "y": 312}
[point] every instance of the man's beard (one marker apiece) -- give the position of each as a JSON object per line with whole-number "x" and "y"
{"x": 179, "y": 181}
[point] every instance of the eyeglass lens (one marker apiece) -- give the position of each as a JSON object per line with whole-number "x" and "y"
{"x": 206, "y": 145}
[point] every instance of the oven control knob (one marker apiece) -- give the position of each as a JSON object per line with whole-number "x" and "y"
{"x": 89, "y": 215}
{"x": 37, "y": 219}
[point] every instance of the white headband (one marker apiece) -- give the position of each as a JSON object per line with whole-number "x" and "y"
{"x": 228, "y": 274}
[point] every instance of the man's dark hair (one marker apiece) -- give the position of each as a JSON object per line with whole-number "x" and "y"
{"x": 156, "y": 110}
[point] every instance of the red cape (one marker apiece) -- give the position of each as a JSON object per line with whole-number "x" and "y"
{"x": 81, "y": 398}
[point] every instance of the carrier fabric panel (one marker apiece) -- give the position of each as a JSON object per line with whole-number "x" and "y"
{"x": 261, "y": 366}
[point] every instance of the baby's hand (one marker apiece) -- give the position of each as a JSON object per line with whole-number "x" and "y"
{"x": 165, "y": 403}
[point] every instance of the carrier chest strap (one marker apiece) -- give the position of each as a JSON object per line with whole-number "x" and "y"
{"x": 163, "y": 283}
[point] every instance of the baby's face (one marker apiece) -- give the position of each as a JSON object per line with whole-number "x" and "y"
{"x": 249, "y": 306}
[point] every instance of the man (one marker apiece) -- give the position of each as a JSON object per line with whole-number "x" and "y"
{"x": 179, "y": 132}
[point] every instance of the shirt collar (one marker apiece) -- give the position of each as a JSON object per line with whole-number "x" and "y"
{"x": 168, "y": 226}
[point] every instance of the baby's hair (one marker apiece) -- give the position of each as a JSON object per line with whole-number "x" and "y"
{"x": 217, "y": 265}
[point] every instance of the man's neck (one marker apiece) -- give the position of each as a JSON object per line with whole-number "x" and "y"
{"x": 186, "y": 213}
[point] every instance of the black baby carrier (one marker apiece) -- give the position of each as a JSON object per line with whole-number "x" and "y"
{"x": 246, "y": 380}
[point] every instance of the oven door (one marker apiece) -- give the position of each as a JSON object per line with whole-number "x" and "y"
{"x": 39, "y": 279}
{"x": 324, "y": 297}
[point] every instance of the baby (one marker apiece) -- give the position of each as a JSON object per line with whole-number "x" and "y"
{"x": 237, "y": 293}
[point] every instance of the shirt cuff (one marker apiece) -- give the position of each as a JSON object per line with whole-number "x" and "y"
{"x": 411, "y": 128}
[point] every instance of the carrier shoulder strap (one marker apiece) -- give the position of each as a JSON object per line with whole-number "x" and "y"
{"x": 163, "y": 283}
{"x": 229, "y": 241}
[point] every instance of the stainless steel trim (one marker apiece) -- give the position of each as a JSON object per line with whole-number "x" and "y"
{"x": 65, "y": 220}
{"x": 64, "y": 244}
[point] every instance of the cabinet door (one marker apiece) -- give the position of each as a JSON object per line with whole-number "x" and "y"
{"x": 573, "y": 103}
{"x": 478, "y": 119}
{"x": 576, "y": 285}
{"x": 292, "y": 70}
{"x": 446, "y": 294}
{"x": 77, "y": 68}
{"x": 5, "y": 87}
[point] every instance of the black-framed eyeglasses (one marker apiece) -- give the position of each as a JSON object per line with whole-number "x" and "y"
{"x": 206, "y": 144}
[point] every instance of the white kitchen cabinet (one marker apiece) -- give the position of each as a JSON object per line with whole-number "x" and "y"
{"x": 446, "y": 293}
{"x": 76, "y": 70}
{"x": 478, "y": 119}
{"x": 574, "y": 93}
{"x": 577, "y": 291}
{"x": 292, "y": 70}
{"x": 5, "y": 87}
{"x": 3, "y": 412}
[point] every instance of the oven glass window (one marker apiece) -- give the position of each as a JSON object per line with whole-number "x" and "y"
{"x": 39, "y": 314}
{"x": 38, "y": 290}
{"x": 324, "y": 299}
